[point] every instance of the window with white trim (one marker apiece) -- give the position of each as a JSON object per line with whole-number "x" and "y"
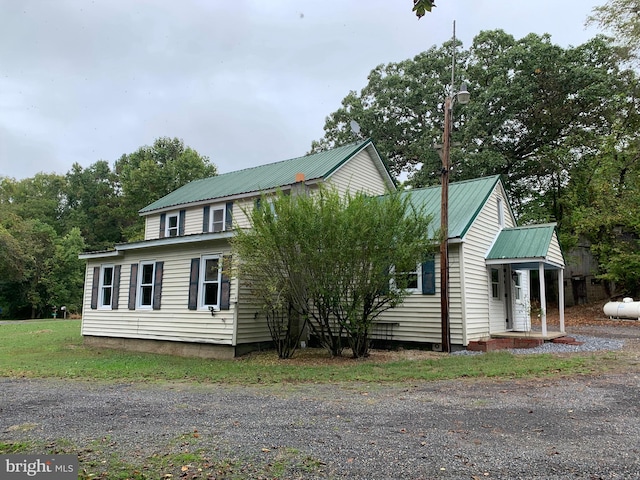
{"x": 145, "y": 284}
{"x": 217, "y": 221}
{"x": 172, "y": 225}
{"x": 495, "y": 283}
{"x": 210, "y": 281}
{"x": 412, "y": 280}
{"x": 106, "y": 287}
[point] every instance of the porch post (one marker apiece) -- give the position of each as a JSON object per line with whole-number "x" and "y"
{"x": 543, "y": 300}
{"x": 561, "y": 298}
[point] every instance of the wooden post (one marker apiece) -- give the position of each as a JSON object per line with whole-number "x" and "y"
{"x": 543, "y": 300}
{"x": 444, "y": 229}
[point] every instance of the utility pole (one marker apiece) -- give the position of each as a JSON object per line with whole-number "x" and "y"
{"x": 463, "y": 97}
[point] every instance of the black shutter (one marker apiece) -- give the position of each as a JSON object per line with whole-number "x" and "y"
{"x": 429, "y": 277}
{"x": 157, "y": 286}
{"x": 225, "y": 285}
{"x": 387, "y": 280}
{"x": 205, "y": 218}
{"x": 163, "y": 223}
{"x": 228, "y": 216}
{"x": 94, "y": 288}
{"x": 181, "y": 219}
{"x": 194, "y": 278}
{"x": 133, "y": 286}
{"x": 116, "y": 287}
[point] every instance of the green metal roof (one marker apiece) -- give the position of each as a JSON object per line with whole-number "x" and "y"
{"x": 526, "y": 242}
{"x": 466, "y": 199}
{"x": 256, "y": 179}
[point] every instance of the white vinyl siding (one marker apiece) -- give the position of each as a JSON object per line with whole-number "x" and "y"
{"x": 252, "y": 324}
{"x": 174, "y": 321}
{"x": 152, "y": 227}
{"x": 469, "y": 310}
{"x": 554, "y": 254}
{"x": 193, "y": 221}
{"x": 239, "y": 217}
{"x": 418, "y": 317}
{"x": 479, "y": 309}
{"x": 359, "y": 174}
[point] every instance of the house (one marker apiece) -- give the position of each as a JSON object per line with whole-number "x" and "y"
{"x": 170, "y": 293}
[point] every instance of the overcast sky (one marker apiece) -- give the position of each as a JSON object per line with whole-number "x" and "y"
{"x": 244, "y": 82}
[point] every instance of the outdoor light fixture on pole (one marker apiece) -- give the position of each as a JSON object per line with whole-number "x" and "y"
{"x": 462, "y": 96}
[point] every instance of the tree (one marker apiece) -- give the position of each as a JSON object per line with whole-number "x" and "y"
{"x": 153, "y": 172}
{"x": 25, "y": 278}
{"x": 602, "y": 207}
{"x": 67, "y": 272}
{"x": 41, "y": 197}
{"x": 622, "y": 19}
{"x": 94, "y": 205}
{"x": 536, "y": 108}
{"x": 331, "y": 260}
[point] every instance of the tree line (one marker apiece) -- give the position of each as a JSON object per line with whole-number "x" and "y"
{"x": 48, "y": 219}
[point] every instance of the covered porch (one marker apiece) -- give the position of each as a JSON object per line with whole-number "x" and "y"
{"x": 531, "y": 248}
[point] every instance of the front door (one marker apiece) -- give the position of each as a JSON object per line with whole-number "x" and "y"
{"x": 521, "y": 319}
{"x": 500, "y": 299}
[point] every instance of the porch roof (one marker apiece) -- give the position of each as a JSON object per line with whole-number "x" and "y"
{"x": 526, "y": 247}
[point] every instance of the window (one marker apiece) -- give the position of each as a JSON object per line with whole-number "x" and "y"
{"x": 172, "y": 226}
{"x": 145, "y": 294}
{"x": 210, "y": 282}
{"x": 495, "y": 283}
{"x": 421, "y": 280}
{"x": 500, "y": 213}
{"x": 217, "y": 220}
{"x": 518, "y": 286}
{"x": 106, "y": 286}
{"x": 411, "y": 280}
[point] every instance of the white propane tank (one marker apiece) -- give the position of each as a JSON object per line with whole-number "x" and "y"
{"x": 627, "y": 308}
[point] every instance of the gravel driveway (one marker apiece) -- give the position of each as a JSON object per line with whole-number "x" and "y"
{"x": 585, "y": 427}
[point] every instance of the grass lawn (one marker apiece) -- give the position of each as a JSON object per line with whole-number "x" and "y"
{"x": 54, "y": 348}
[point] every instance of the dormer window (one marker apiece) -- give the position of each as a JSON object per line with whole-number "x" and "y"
{"x": 217, "y": 218}
{"x": 172, "y": 225}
